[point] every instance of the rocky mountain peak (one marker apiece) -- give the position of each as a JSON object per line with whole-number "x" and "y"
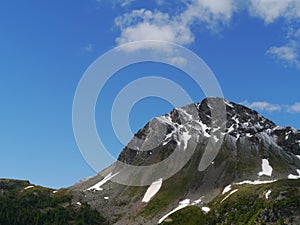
{"x": 196, "y": 121}
{"x": 217, "y": 144}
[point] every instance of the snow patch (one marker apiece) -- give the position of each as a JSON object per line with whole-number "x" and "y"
{"x": 279, "y": 128}
{"x": 216, "y": 139}
{"x": 152, "y": 190}
{"x": 106, "y": 198}
{"x": 298, "y": 156}
{"x": 189, "y": 116}
{"x": 28, "y": 187}
{"x": 78, "y": 203}
{"x": 258, "y": 126}
{"x": 266, "y": 168}
{"x": 226, "y": 189}
{"x": 236, "y": 119}
{"x": 256, "y": 182}
{"x": 286, "y": 137}
{"x": 246, "y": 124}
{"x": 97, "y": 187}
{"x": 185, "y": 138}
{"x": 230, "y": 129}
{"x": 168, "y": 136}
{"x": 204, "y": 128}
{"x": 165, "y": 119}
{"x": 228, "y": 104}
{"x": 197, "y": 201}
{"x": 294, "y": 177}
{"x": 205, "y": 209}
{"x": 54, "y": 192}
{"x": 268, "y": 194}
{"x": 182, "y": 205}
{"x": 232, "y": 192}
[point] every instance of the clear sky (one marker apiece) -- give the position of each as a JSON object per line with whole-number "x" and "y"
{"x": 252, "y": 46}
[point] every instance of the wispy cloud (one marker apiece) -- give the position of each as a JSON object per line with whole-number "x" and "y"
{"x": 287, "y": 54}
{"x": 122, "y": 3}
{"x": 212, "y": 13}
{"x": 272, "y": 10}
{"x": 270, "y": 107}
{"x": 263, "y": 106}
{"x": 126, "y": 2}
{"x": 160, "y": 2}
{"x": 295, "y": 108}
{"x": 88, "y": 48}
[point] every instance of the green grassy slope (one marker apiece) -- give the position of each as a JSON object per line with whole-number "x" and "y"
{"x": 248, "y": 205}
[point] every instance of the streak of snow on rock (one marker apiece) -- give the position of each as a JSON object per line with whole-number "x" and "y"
{"x": 232, "y": 192}
{"x": 152, "y": 190}
{"x": 97, "y": 187}
{"x": 294, "y": 177}
{"x": 266, "y": 168}
{"x": 182, "y": 205}
{"x": 226, "y": 189}
{"x": 267, "y": 195}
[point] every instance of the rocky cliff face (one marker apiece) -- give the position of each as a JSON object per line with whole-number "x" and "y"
{"x": 204, "y": 147}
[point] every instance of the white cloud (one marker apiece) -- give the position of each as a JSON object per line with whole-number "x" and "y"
{"x": 263, "y": 106}
{"x": 270, "y": 107}
{"x": 294, "y": 108}
{"x": 285, "y": 53}
{"x": 150, "y": 31}
{"x": 154, "y": 25}
{"x": 215, "y": 12}
{"x": 216, "y": 8}
{"x": 288, "y": 54}
{"x": 145, "y": 24}
{"x": 211, "y": 13}
{"x": 271, "y": 10}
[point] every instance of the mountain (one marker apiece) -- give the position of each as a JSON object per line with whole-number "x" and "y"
{"x": 214, "y": 161}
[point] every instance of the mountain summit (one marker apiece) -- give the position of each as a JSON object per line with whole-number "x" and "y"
{"x": 191, "y": 157}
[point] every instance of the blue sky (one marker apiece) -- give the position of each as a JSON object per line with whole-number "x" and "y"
{"x": 253, "y": 48}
